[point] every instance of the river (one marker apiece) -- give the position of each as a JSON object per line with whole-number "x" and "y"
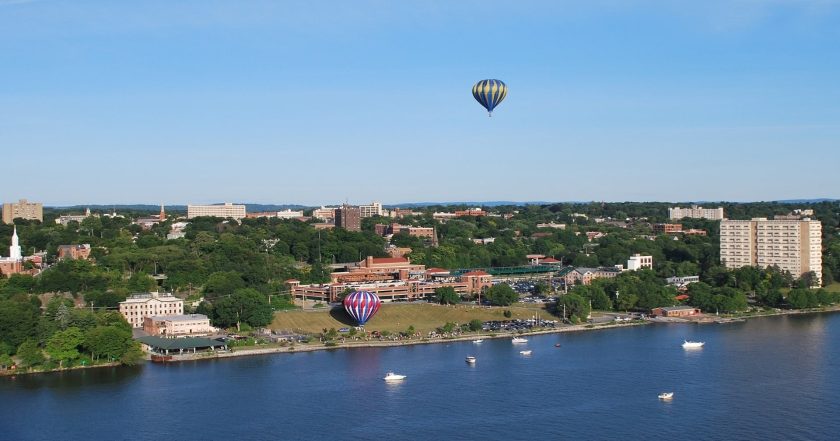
{"x": 767, "y": 378}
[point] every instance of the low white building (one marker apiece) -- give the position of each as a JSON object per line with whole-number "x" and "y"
{"x": 176, "y": 325}
{"x": 139, "y": 306}
{"x": 637, "y": 262}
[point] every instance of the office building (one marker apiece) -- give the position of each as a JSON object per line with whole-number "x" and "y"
{"x": 370, "y": 210}
{"x": 792, "y": 245}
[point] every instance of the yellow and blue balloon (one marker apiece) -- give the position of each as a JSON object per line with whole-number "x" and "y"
{"x": 489, "y": 93}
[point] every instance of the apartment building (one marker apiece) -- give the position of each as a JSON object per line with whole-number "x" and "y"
{"x": 370, "y": 210}
{"x": 792, "y": 245}
{"x": 225, "y": 211}
{"x": 349, "y": 218}
{"x": 695, "y": 212}
{"x": 23, "y": 209}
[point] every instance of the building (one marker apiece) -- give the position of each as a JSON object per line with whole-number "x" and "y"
{"x": 23, "y": 209}
{"x": 226, "y": 210}
{"x": 139, "y": 306}
{"x": 585, "y": 276}
{"x": 637, "y": 262}
{"x": 324, "y": 213}
{"x": 682, "y": 281}
{"x": 442, "y": 216}
{"x": 67, "y": 218}
{"x": 694, "y": 232}
{"x": 395, "y": 228}
{"x": 14, "y": 263}
{"x": 667, "y": 228}
{"x": 370, "y": 210}
{"x": 791, "y": 245}
{"x": 74, "y": 252}
{"x": 177, "y": 325}
{"x": 349, "y": 218}
{"x": 147, "y": 223}
{"x": 285, "y": 214}
{"x": 675, "y": 311}
{"x": 476, "y": 212}
{"x": 552, "y": 225}
{"x": 695, "y": 212}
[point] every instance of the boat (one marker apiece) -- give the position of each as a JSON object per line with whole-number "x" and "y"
{"x": 393, "y": 377}
{"x": 519, "y": 340}
{"x": 692, "y": 344}
{"x": 557, "y": 345}
{"x": 666, "y": 395}
{"x": 470, "y": 359}
{"x": 478, "y": 341}
{"x": 528, "y": 352}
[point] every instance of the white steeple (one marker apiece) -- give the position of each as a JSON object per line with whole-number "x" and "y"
{"x": 14, "y": 250}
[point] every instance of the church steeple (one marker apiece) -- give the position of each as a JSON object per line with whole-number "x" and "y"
{"x": 14, "y": 250}
{"x": 162, "y": 213}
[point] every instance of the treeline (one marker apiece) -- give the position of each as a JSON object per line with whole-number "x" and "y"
{"x": 61, "y": 336}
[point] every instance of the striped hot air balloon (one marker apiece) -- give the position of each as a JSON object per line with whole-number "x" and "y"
{"x": 362, "y": 305}
{"x": 489, "y": 93}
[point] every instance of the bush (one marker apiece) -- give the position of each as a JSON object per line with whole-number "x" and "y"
{"x": 508, "y": 314}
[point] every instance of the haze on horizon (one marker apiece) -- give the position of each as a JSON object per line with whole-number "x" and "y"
{"x": 210, "y": 101}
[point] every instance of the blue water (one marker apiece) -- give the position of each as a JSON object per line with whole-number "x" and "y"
{"x": 770, "y": 378}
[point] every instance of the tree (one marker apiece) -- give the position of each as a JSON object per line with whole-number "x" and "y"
{"x": 476, "y": 325}
{"x": 109, "y": 342}
{"x": 30, "y": 354}
{"x": 18, "y": 321}
{"x": 64, "y": 345}
{"x": 501, "y": 295}
{"x": 223, "y": 283}
{"x": 576, "y": 307}
{"x": 140, "y": 282}
{"x": 446, "y": 295}
{"x": 245, "y": 305}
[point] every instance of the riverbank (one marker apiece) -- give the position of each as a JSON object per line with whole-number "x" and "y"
{"x": 15, "y": 372}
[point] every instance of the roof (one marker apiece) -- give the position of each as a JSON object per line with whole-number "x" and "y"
{"x": 436, "y": 270}
{"x": 180, "y": 343}
{"x": 180, "y": 318}
{"x": 550, "y": 260}
{"x": 381, "y": 260}
{"x": 476, "y": 273}
{"x": 681, "y": 297}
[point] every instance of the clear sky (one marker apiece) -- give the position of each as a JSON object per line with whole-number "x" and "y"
{"x": 320, "y": 102}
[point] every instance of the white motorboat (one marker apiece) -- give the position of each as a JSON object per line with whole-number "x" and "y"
{"x": 528, "y": 352}
{"x": 519, "y": 340}
{"x": 393, "y": 377}
{"x": 666, "y": 395}
{"x": 470, "y": 359}
{"x": 692, "y": 344}
{"x": 478, "y": 341}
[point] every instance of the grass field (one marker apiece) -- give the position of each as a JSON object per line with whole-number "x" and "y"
{"x": 399, "y": 316}
{"x": 834, "y": 287}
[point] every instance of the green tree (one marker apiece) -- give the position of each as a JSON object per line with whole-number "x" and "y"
{"x": 109, "y": 342}
{"x": 476, "y": 325}
{"x": 30, "y": 354}
{"x": 18, "y": 321}
{"x": 446, "y": 295}
{"x": 63, "y": 346}
{"x": 501, "y": 295}
{"x": 245, "y": 305}
{"x": 576, "y": 307}
{"x": 223, "y": 283}
{"x": 140, "y": 282}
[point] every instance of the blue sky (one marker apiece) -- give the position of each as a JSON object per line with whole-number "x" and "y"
{"x": 322, "y": 102}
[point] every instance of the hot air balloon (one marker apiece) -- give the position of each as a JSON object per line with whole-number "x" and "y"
{"x": 362, "y": 305}
{"x": 489, "y": 93}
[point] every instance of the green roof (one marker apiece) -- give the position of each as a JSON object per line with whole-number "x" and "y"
{"x": 179, "y": 343}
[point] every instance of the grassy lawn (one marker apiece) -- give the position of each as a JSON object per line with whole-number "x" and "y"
{"x": 399, "y": 316}
{"x": 834, "y": 287}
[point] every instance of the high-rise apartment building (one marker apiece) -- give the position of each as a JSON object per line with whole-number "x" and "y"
{"x": 23, "y": 209}
{"x": 695, "y": 212}
{"x": 227, "y": 210}
{"x": 349, "y": 218}
{"x": 792, "y": 245}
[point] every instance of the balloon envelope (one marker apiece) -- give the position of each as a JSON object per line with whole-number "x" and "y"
{"x": 362, "y": 305}
{"x": 489, "y": 93}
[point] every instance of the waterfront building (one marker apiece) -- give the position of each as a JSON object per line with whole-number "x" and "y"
{"x": 74, "y": 252}
{"x": 178, "y": 325}
{"x": 695, "y": 212}
{"x": 349, "y": 218}
{"x": 139, "y": 306}
{"x": 675, "y": 311}
{"x": 226, "y": 210}
{"x": 637, "y": 262}
{"x": 791, "y": 245}
{"x": 23, "y": 209}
